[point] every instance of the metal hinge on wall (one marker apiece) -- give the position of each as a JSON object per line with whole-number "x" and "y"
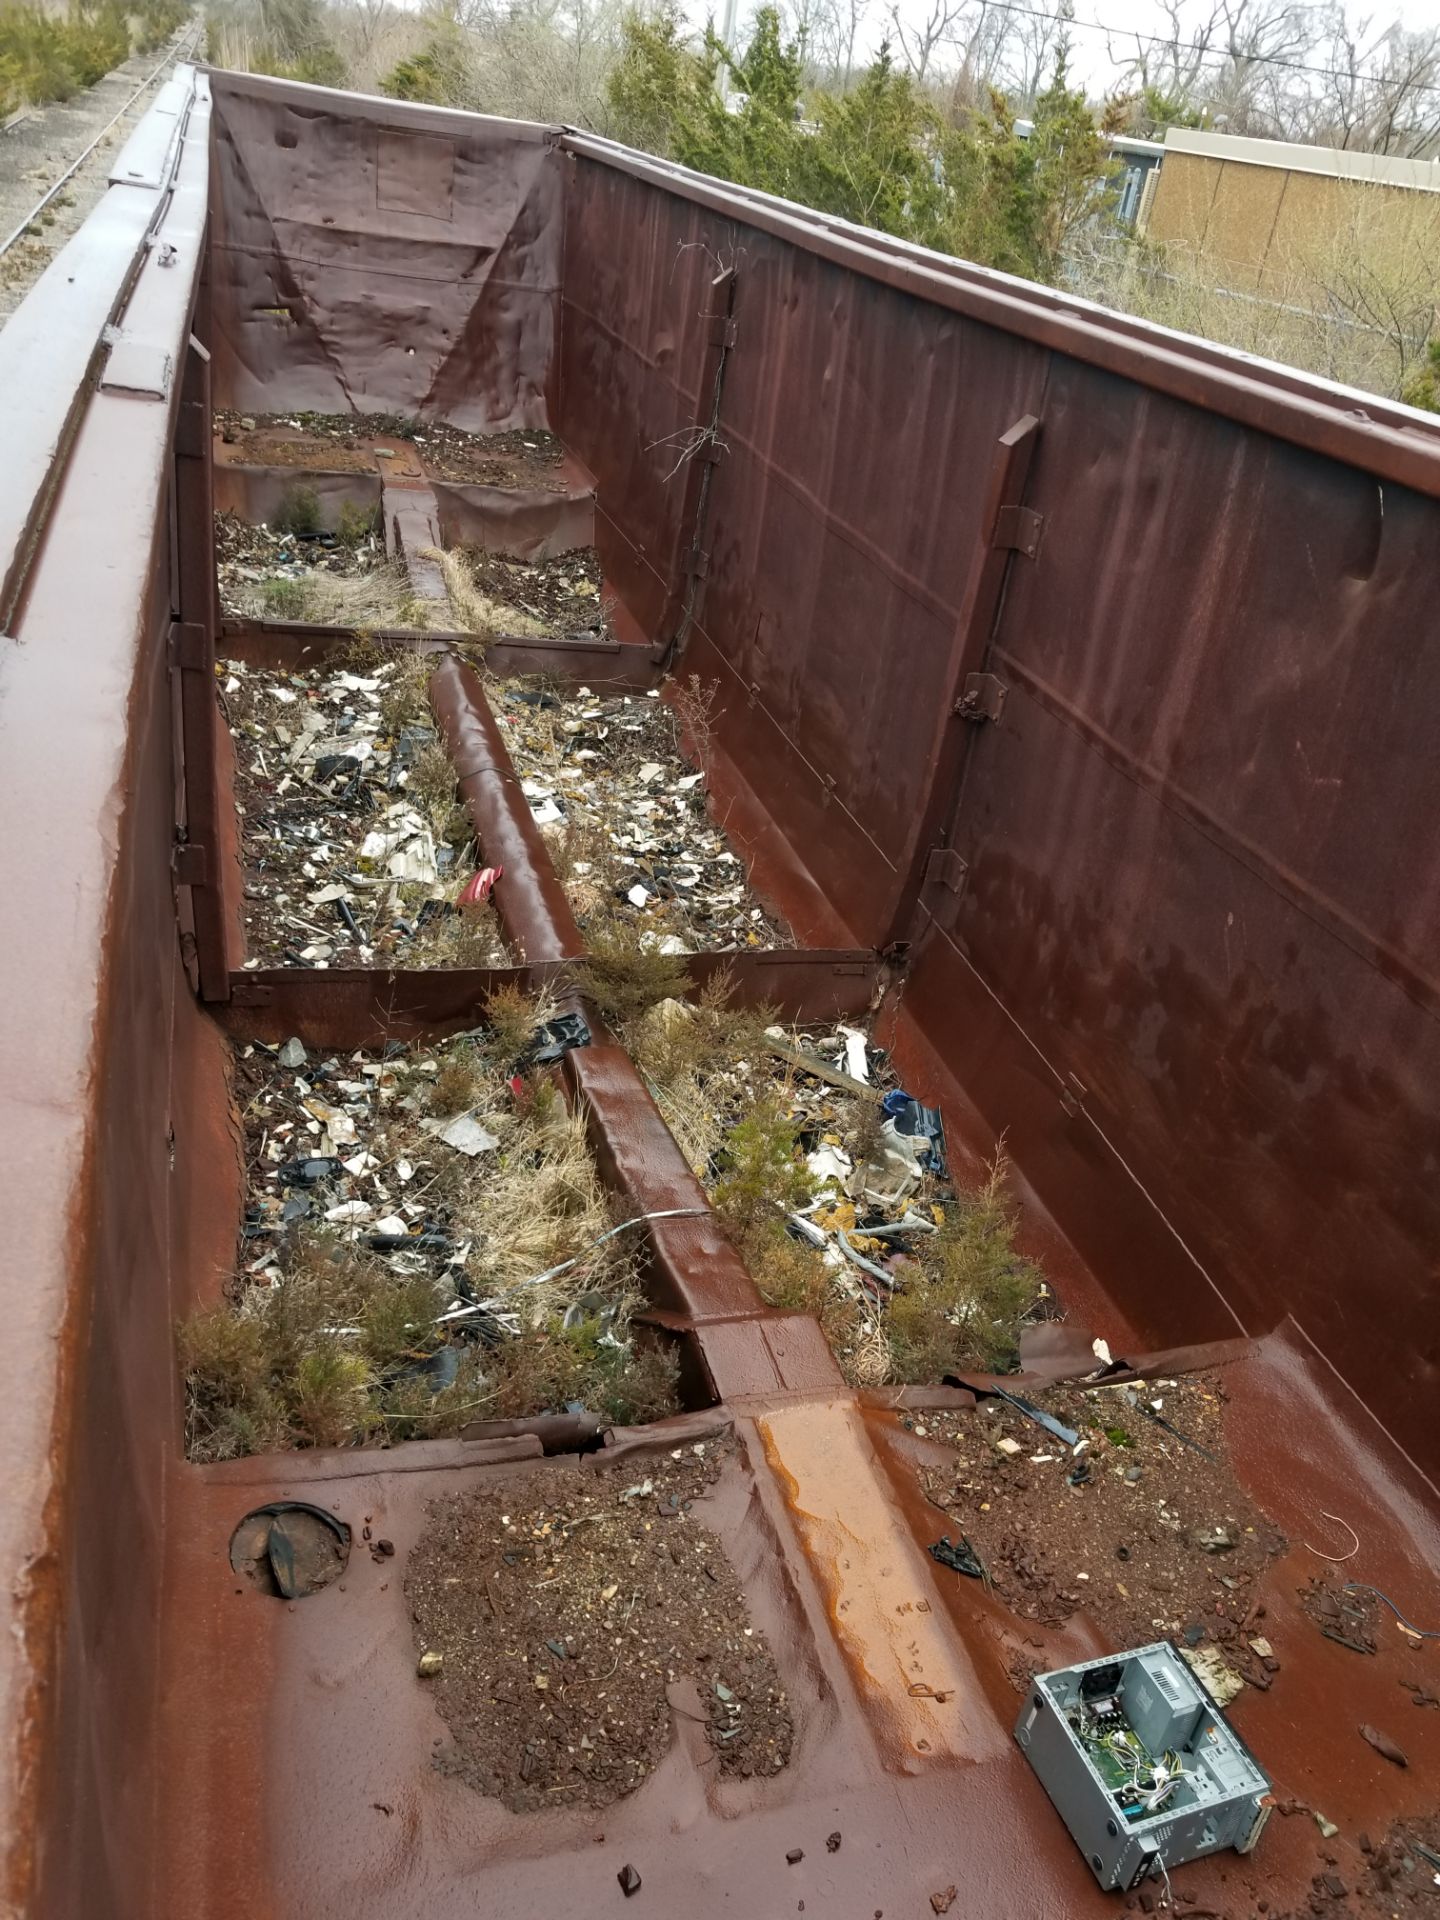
{"x": 945, "y": 877}
{"x": 983, "y": 697}
{"x": 250, "y": 993}
{"x": 1018, "y": 528}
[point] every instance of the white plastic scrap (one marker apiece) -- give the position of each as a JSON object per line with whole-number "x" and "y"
{"x": 415, "y": 860}
{"x": 830, "y": 1163}
{"x": 336, "y": 1122}
{"x": 891, "y": 1179}
{"x": 464, "y": 1133}
{"x": 349, "y": 1210}
{"x": 857, "y": 1063}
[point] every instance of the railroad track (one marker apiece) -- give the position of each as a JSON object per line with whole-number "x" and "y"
{"x": 184, "y": 48}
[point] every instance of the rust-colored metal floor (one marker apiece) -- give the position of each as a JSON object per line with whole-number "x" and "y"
{"x": 300, "y": 1740}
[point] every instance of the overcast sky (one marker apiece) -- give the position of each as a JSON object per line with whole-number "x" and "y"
{"x": 1095, "y": 52}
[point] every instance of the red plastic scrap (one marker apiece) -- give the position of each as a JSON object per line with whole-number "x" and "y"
{"x": 478, "y": 889}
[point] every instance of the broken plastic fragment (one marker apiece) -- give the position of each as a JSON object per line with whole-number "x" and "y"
{"x": 336, "y": 1122}
{"x": 830, "y": 1163}
{"x": 415, "y": 860}
{"x": 464, "y": 1133}
{"x": 857, "y": 1064}
{"x": 349, "y": 1210}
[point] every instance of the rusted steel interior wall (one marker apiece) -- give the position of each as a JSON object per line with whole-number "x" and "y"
{"x": 857, "y": 425}
{"x": 392, "y": 259}
{"x": 1190, "y": 968}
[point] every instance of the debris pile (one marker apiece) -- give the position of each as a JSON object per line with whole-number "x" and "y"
{"x": 626, "y": 820}
{"x": 1401, "y": 1873}
{"x": 562, "y": 1611}
{"x": 833, "y": 1183}
{"x": 356, "y": 847}
{"x": 344, "y": 443}
{"x": 559, "y": 598}
{"x": 1118, "y": 1500}
{"x": 426, "y": 1241}
{"x": 298, "y": 573}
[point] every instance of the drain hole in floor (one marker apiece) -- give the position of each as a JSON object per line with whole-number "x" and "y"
{"x": 290, "y": 1549}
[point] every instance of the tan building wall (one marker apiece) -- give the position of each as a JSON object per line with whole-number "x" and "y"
{"x": 1267, "y": 215}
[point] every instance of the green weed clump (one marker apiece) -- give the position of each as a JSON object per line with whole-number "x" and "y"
{"x": 50, "y": 56}
{"x": 299, "y": 512}
{"x": 551, "y": 1366}
{"x": 279, "y": 1373}
{"x": 762, "y": 1178}
{"x": 355, "y": 524}
{"x": 622, "y": 977}
{"x": 966, "y": 1304}
{"x": 284, "y": 599}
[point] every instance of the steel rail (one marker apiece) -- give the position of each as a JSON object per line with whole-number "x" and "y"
{"x": 175, "y": 53}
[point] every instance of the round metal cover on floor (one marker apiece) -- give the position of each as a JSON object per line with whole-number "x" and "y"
{"x": 290, "y": 1549}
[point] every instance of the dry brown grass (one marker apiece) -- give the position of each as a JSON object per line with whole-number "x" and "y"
{"x": 475, "y": 612}
{"x": 364, "y": 601}
{"x": 692, "y": 701}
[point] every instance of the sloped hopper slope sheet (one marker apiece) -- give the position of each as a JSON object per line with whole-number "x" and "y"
{"x": 391, "y": 264}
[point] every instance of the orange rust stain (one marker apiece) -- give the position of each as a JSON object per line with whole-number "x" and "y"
{"x": 914, "y": 1679}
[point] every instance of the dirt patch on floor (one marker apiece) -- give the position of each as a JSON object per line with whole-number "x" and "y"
{"x": 524, "y": 459}
{"x": 278, "y": 441}
{"x": 626, "y": 816}
{"x": 354, "y": 841}
{"x": 520, "y": 460}
{"x": 1381, "y": 1878}
{"x": 564, "y": 1609}
{"x": 1150, "y": 1536}
{"x": 561, "y": 597}
{"x": 1401, "y": 1873}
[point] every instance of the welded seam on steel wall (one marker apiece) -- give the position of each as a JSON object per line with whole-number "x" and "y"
{"x": 1063, "y": 1084}
{"x": 1326, "y": 914}
{"x": 848, "y": 534}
